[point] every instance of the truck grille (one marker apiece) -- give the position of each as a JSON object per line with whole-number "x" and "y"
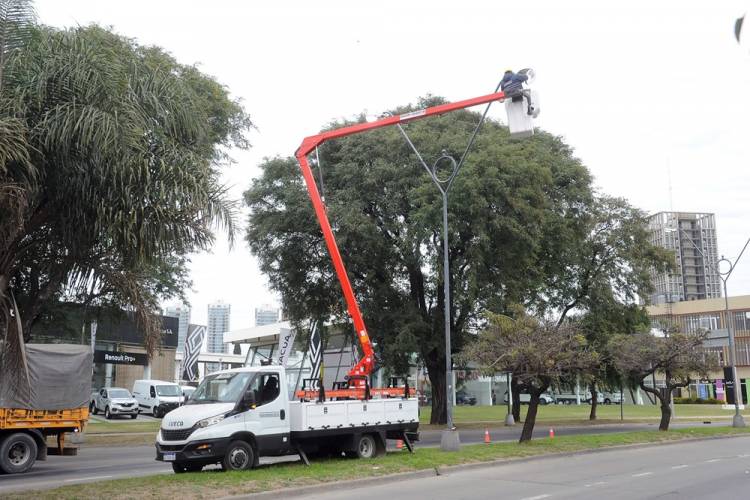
{"x": 176, "y": 435}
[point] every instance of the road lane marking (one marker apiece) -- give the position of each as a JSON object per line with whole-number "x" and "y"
{"x": 85, "y": 478}
{"x": 744, "y": 455}
{"x": 642, "y": 474}
{"x": 538, "y": 497}
{"x": 712, "y": 460}
{"x": 679, "y": 466}
{"x": 595, "y": 484}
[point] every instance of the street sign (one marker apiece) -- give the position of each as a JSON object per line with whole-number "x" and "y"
{"x": 120, "y": 358}
{"x": 729, "y": 384}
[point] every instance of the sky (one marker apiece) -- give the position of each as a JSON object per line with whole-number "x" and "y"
{"x": 649, "y": 94}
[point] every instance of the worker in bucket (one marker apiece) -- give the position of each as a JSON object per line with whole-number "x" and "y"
{"x": 512, "y": 84}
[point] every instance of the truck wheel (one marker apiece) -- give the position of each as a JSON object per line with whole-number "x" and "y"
{"x": 239, "y": 456}
{"x": 155, "y": 412}
{"x": 180, "y": 467}
{"x": 17, "y": 453}
{"x": 107, "y": 413}
{"x": 607, "y": 401}
{"x": 134, "y": 416}
{"x": 365, "y": 446}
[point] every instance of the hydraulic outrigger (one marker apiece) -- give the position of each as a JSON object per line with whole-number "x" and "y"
{"x": 357, "y": 386}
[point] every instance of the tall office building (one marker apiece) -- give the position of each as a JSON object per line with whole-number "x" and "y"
{"x": 218, "y": 324}
{"x": 266, "y": 315}
{"x": 692, "y": 238}
{"x": 182, "y": 313}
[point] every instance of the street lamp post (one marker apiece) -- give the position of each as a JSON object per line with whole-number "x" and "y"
{"x": 449, "y": 440}
{"x": 737, "y": 420}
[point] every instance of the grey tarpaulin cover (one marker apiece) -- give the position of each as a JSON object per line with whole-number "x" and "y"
{"x": 60, "y": 377}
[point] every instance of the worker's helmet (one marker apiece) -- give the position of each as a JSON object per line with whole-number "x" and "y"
{"x": 509, "y": 71}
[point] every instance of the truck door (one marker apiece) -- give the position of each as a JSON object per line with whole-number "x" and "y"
{"x": 269, "y": 421}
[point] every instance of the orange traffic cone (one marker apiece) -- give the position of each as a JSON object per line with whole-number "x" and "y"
{"x": 399, "y": 444}
{"x": 552, "y": 433}
{"x": 487, "y": 436}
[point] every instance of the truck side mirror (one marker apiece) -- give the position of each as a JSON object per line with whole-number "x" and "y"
{"x": 248, "y": 399}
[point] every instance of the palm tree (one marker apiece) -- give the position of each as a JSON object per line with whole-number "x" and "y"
{"x": 122, "y": 146}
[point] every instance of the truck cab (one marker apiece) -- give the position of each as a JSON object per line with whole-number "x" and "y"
{"x": 236, "y": 416}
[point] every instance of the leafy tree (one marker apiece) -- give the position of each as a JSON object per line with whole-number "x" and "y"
{"x": 599, "y": 277}
{"x": 605, "y": 318}
{"x": 507, "y": 208}
{"x": 679, "y": 357}
{"x": 109, "y": 161}
{"x": 539, "y": 353}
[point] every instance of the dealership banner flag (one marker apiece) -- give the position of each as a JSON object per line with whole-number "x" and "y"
{"x": 193, "y": 344}
{"x": 316, "y": 351}
{"x": 286, "y": 342}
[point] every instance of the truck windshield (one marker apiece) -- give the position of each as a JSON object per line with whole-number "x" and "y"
{"x": 118, "y": 393}
{"x": 168, "y": 390}
{"x": 221, "y": 388}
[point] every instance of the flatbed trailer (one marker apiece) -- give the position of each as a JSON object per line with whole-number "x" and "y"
{"x": 24, "y": 433}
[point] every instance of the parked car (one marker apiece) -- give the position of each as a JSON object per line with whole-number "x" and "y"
{"x": 612, "y": 398}
{"x": 463, "y": 398}
{"x": 113, "y": 401}
{"x": 157, "y": 397}
{"x": 544, "y": 399}
{"x": 599, "y": 398}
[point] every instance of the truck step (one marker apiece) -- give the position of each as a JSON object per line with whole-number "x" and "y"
{"x": 68, "y": 451}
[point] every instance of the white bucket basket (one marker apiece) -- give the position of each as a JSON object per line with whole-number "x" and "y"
{"x": 521, "y": 114}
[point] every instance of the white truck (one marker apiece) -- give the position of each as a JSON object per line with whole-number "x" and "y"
{"x": 157, "y": 397}
{"x": 236, "y": 416}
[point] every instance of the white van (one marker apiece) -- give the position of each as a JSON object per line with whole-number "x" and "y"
{"x": 157, "y": 397}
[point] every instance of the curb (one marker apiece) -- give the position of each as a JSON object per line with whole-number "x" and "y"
{"x": 446, "y": 470}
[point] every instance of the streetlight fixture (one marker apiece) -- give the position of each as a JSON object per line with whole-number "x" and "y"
{"x": 737, "y": 420}
{"x": 449, "y": 440}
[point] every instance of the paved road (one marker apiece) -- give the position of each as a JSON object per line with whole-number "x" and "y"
{"x": 95, "y": 463}
{"x": 717, "y": 469}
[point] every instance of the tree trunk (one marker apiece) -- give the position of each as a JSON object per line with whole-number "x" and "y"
{"x": 528, "y": 425}
{"x": 666, "y": 410}
{"x": 436, "y": 374}
{"x": 663, "y": 396}
{"x": 594, "y": 400}
{"x": 515, "y": 389}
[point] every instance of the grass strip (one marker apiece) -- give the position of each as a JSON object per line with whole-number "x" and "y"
{"x": 210, "y": 484}
{"x": 558, "y": 413}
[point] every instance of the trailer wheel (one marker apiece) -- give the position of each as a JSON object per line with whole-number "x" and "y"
{"x": 239, "y": 456}
{"x": 17, "y": 453}
{"x": 365, "y": 446}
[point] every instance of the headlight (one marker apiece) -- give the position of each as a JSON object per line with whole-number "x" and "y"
{"x": 210, "y": 421}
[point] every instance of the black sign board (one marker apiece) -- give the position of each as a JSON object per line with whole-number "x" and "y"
{"x": 729, "y": 384}
{"x": 120, "y": 358}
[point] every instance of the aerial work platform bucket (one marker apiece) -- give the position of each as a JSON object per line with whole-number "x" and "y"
{"x": 521, "y": 112}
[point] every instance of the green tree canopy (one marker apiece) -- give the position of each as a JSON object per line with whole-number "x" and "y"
{"x": 508, "y": 208}
{"x": 537, "y": 352}
{"x": 109, "y": 162}
{"x": 679, "y": 357}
